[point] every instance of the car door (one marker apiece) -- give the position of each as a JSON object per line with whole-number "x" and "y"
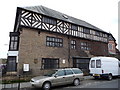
{"x": 59, "y": 78}
{"x": 69, "y": 76}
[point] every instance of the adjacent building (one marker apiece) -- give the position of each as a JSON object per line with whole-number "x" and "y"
{"x": 45, "y": 39}
{"x": 111, "y": 45}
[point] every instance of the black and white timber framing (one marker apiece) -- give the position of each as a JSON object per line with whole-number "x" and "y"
{"x": 59, "y": 23}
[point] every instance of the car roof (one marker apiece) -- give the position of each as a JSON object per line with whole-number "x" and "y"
{"x": 66, "y": 68}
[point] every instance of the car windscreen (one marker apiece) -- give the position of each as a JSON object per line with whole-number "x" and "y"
{"x": 50, "y": 73}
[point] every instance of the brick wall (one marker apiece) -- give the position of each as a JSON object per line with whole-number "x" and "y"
{"x": 32, "y": 48}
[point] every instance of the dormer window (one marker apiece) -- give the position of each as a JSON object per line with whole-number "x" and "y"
{"x": 65, "y": 16}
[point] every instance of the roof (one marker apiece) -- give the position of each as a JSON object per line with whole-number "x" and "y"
{"x": 58, "y": 15}
{"x": 111, "y": 37}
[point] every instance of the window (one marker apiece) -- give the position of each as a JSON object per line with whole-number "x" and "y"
{"x": 14, "y": 43}
{"x": 110, "y": 46}
{"x": 85, "y": 46}
{"x": 49, "y": 20}
{"x": 48, "y": 63}
{"x": 11, "y": 64}
{"x": 60, "y": 73}
{"x": 54, "y": 42}
{"x": 68, "y": 72}
{"x": 98, "y": 63}
{"x": 73, "y": 44}
{"x": 77, "y": 71}
{"x": 97, "y": 33}
{"x": 82, "y": 63}
{"x": 74, "y": 27}
{"x": 86, "y": 31}
{"x": 93, "y": 64}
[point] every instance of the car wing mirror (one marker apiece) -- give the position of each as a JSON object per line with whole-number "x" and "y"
{"x": 56, "y": 76}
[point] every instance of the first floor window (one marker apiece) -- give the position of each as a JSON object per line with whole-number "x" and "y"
{"x": 54, "y": 42}
{"x": 73, "y": 44}
{"x": 85, "y": 46}
{"x": 49, "y": 63}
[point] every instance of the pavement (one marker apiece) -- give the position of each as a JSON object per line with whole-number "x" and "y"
{"x": 26, "y": 85}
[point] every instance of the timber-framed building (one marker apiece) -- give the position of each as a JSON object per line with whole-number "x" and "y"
{"x": 45, "y": 39}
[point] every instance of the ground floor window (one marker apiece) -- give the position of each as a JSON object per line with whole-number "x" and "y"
{"x": 82, "y": 63}
{"x": 11, "y": 64}
{"x": 50, "y": 63}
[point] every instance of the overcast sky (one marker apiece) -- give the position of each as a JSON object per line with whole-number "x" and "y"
{"x": 100, "y": 13}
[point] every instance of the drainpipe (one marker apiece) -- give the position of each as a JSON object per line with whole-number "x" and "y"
{"x": 68, "y": 51}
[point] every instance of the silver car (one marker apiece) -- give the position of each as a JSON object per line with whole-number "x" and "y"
{"x": 58, "y": 77}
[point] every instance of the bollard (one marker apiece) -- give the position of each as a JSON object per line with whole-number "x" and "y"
{"x": 19, "y": 83}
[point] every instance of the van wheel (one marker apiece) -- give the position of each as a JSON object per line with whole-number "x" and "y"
{"x": 46, "y": 86}
{"x": 76, "y": 82}
{"x": 110, "y": 77}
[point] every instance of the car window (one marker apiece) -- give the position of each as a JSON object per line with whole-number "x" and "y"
{"x": 77, "y": 71}
{"x": 60, "y": 73}
{"x": 50, "y": 73}
{"x": 68, "y": 72}
{"x": 93, "y": 64}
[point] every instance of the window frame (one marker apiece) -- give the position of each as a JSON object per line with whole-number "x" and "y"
{"x": 67, "y": 73}
{"x": 74, "y": 27}
{"x": 49, "y": 64}
{"x": 54, "y": 41}
{"x": 14, "y": 43}
{"x": 73, "y": 44}
{"x": 49, "y": 20}
{"x": 60, "y": 71}
{"x": 77, "y": 71}
{"x": 86, "y": 30}
{"x": 85, "y": 46}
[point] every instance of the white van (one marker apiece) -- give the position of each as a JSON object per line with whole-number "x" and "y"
{"x": 104, "y": 67}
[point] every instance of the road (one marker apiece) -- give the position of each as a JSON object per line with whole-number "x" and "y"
{"x": 89, "y": 83}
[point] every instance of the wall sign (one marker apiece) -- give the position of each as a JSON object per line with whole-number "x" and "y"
{"x": 26, "y": 67}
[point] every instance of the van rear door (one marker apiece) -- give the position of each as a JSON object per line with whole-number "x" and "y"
{"x": 92, "y": 66}
{"x": 95, "y": 66}
{"x": 98, "y": 67}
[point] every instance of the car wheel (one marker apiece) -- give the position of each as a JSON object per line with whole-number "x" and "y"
{"x": 109, "y": 77}
{"x": 76, "y": 82}
{"x": 46, "y": 86}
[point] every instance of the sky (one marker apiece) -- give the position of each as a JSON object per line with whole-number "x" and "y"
{"x": 100, "y": 13}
